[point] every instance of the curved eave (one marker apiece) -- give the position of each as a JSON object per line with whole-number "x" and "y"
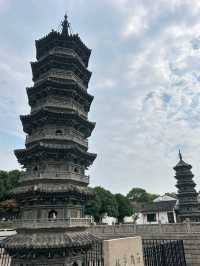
{"x": 44, "y": 116}
{"x": 53, "y": 61}
{"x": 42, "y": 150}
{"x": 182, "y": 165}
{"x": 186, "y": 184}
{"x": 48, "y": 240}
{"x": 31, "y": 91}
{"x": 83, "y": 192}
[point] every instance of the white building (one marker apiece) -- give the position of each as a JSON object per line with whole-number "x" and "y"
{"x": 162, "y": 210}
{"x": 108, "y": 220}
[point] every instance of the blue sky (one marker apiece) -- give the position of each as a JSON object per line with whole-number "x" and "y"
{"x": 146, "y": 82}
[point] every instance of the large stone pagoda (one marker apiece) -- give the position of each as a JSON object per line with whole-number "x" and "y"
{"x": 188, "y": 207}
{"x": 54, "y": 188}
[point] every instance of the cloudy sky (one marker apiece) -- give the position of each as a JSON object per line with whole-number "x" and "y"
{"x": 146, "y": 82}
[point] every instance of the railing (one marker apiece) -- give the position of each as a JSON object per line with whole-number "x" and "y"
{"x": 7, "y": 224}
{"x": 52, "y": 175}
{"x": 66, "y": 131}
{"x": 164, "y": 252}
{"x": 61, "y": 75}
{"x": 53, "y": 223}
{"x": 52, "y": 104}
{"x": 143, "y": 230}
{"x": 81, "y": 141}
{"x": 5, "y": 259}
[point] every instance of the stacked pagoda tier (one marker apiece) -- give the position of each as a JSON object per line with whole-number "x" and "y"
{"x": 54, "y": 188}
{"x": 188, "y": 207}
{"x": 56, "y": 156}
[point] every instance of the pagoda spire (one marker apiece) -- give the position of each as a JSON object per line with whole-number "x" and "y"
{"x": 180, "y": 155}
{"x": 65, "y": 26}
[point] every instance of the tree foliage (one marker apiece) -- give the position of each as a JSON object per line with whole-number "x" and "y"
{"x": 124, "y": 207}
{"x": 93, "y": 207}
{"x": 116, "y": 205}
{"x": 140, "y": 195}
{"x": 104, "y": 202}
{"x": 8, "y": 180}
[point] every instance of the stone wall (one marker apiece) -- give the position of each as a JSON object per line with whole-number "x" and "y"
{"x": 189, "y": 232}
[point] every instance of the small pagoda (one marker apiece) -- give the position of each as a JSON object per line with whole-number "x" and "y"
{"x": 51, "y": 229}
{"x": 188, "y": 206}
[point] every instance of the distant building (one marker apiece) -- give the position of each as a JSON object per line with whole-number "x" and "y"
{"x": 188, "y": 206}
{"x": 162, "y": 209}
{"x": 108, "y": 220}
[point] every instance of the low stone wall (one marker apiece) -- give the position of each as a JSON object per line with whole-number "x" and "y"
{"x": 188, "y": 232}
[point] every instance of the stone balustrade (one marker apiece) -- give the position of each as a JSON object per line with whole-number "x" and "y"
{"x": 62, "y": 105}
{"x": 52, "y": 223}
{"x": 65, "y": 175}
{"x": 43, "y": 136}
{"x": 59, "y": 74}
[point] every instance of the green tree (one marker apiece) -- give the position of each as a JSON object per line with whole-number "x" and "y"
{"x": 104, "y": 202}
{"x": 140, "y": 195}
{"x": 108, "y": 202}
{"x": 8, "y": 180}
{"x": 93, "y": 207}
{"x": 124, "y": 207}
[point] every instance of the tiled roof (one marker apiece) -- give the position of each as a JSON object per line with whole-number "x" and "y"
{"x": 46, "y": 240}
{"x": 158, "y": 206}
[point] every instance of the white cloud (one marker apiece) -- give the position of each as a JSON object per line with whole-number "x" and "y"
{"x": 137, "y": 22}
{"x": 160, "y": 112}
{"x": 146, "y": 86}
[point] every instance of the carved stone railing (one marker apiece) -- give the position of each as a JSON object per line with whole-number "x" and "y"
{"x": 42, "y": 136}
{"x": 53, "y": 223}
{"x": 60, "y": 74}
{"x": 56, "y": 175}
{"x": 72, "y": 106}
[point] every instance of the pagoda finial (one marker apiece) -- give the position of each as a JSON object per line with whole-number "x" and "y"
{"x": 180, "y": 155}
{"x": 65, "y": 25}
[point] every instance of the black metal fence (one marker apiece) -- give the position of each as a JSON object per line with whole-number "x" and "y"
{"x": 164, "y": 253}
{"x": 156, "y": 253}
{"x": 5, "y": 259}
{"x": 94, "y": 256}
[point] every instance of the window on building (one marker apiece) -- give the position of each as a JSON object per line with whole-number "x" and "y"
{"x": 35, "y": 169}
{"x": 151, "y": 217}
{"x": 170, "y": 216}
{"x": 76, "y": 169}
{"x": 59, "y": 132}
{"x": 52, "y": 215}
